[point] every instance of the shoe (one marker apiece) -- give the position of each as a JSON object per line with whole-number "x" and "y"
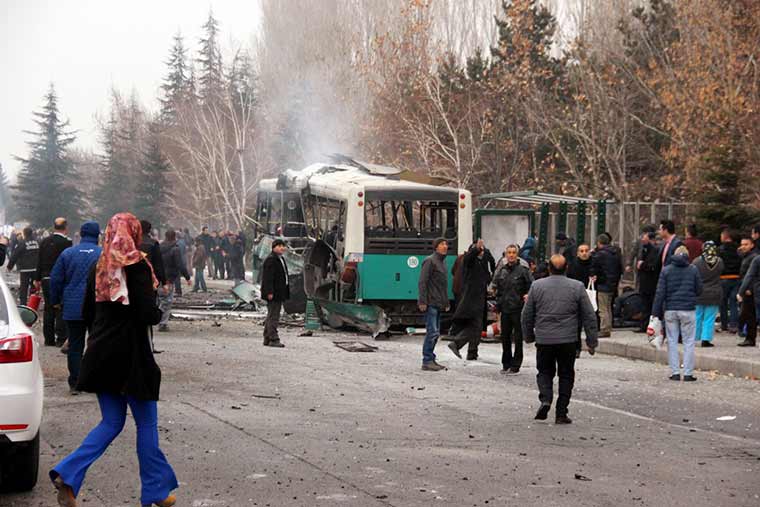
{"x": 504, "y": 371}
{"x": 65, "y": 347}
{"x": 277, "y": 345}
{"x": 73, "y": 391}
{"x": 676, "y": 377}
{"x": 163, "y": 328}
{"x": 432, "y": 367}
{"x": 65, "y": 493}
{"x": 166, "y": 502}
{"x": 514, "y": 370}
{"x": 746, "y": 343}
{"x": 440, "y": 366}
{"x": 455, "y": 349}
{"x": 707, "y": 344}
{"x": 543, "y": 412}
{"x": 472, "y": 358}
{"x": 563, "y": 419}
{"x": 689, "y": 378}
{"x": 604, "y": 335}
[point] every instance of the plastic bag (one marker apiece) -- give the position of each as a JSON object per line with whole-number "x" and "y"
{"x": 591, "y": 291}
{"x": 655, "y": 332}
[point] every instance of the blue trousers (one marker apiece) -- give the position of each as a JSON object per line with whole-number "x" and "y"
{"x": 705, "y": 326}
{"x": 156, "y": 475}
{"x": 77, "y": 335}
{"x": 433, "y": 332}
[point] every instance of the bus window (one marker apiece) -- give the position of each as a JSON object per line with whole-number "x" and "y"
{"x": 421, "y": 219}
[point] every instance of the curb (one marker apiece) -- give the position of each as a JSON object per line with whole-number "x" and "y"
{"x": 726, "y": 366}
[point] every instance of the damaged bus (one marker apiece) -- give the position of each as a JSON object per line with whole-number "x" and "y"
{"x": 358, "y": 234}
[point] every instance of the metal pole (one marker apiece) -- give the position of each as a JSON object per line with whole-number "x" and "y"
{"x": 621, "y": 227}
{"x": 542, "y": 230}
{"x": 580, "y": 230}
{"x": 562, "y": 225}
{"x": 601, "y": 217}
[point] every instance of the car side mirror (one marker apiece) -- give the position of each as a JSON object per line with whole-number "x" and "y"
{"x": 28, "y": 315}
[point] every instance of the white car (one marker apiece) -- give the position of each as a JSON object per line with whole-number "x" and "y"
{"x": 21, "y": 394}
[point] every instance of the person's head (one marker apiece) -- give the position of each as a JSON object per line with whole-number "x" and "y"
{"x": 557, "y": 264}
{"x": 146, "y": 227}
{"x": 28, "y": 233}
{"x": 584, "y": 252}
{"x": 691, "y": 231}
{"x": 170, "y": 235}
{"x": 726, "y": 236}
{"x": 755, "y": 232}
{"x": 647, "y": 234}
{"x": 186, "y": 230}
{"x": 204, "y": 229}
{"x": 561, "y": 238}
{"x": 667, "y": 229}
{"x": 90, "y": 230}
{"x": 603, "y": 240}
{"x": 441, "y": 246}
{"x": 511, "y": 253}
{"x": 60, "y": 225}
{"x": 279, "y": 246}
{"x": 681, "y": 251}
{"x": 214, "y": 234}
{"x": 746, "y": 245}
{"x": 121, "y": 229}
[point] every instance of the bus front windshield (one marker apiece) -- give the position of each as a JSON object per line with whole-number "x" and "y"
{"x": 410, "y": 219}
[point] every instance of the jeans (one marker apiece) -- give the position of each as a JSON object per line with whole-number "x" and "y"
{"x": 729, "y": 309}
{"x": 705, "y": 326}
{"x": 156, "y": 474}
{"x": 680, "y": 323}
{"x": 272, "y": 321}
{"x": 165, "y": 300}
{"x": 511, "y": 332}
{"x": 77, "y": 334}
{"x": 200, "y": 281}
{"x": 560, "y": 360}
{"x": 53, "y": 326}
{"x": 433, "y": 328}
{"x": 604, "y": 299}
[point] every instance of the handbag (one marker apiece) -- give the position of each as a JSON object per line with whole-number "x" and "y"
{"x": 655, "y": 332}
{"x": 591, "y": 292}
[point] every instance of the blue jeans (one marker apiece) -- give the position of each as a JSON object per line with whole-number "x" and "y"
{"x": 729, "y": 309}
{"x": 200, "y": 282}
{"x": 165, "y": 300}
{"x": 433, "y": 328}
{"x": 77, "y": 333}
{"x": 156, "y": 474}
{"x": 705, "y": 326}
{"x": 680, "y": 323}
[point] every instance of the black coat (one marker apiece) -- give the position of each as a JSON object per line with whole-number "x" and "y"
{"x": 608, "y": 268}
{"x": 475, "y": 279}
{"x": 512, "y": 283}
{"x": 174, "y": 263}
{"x": 732, "y": 261}
{"x": 274, "y": 279}
{"x": 119, "y": 358}
{"x": 50, "y": 249}
{"x": 150, "y": 247}
{"x": 649, "y": 272}
{"x": 580, "y": 270}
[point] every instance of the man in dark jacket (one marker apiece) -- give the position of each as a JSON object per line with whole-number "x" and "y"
{"x": 747, "y": 316}
{"x": 208, "y": 244}
{"x": 670, "y": 242}
{"x": 275, "y": 288}
{"x": 751, "y": 286}
{"x": 565, "y": 246}
{"x": 648, "y": 275}
{"x": 608, "y": 267}
{"x": 433, "y": 299}
{"x": 25, "y": 258}
{"x": 729, "y": 280}
{"x": 68, "y": 282}
{"x": 512, "y": 284}
{"x": 550, "y": 318}
{"x": 50, "y": 248}
{"x": 581, "y": 268}
{"x": 174, "y": 268}
{"x": 468, "y": 316}
{"x": 150, "y": 247}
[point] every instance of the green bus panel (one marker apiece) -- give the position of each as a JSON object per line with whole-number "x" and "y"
{"x": 394, "y": 277}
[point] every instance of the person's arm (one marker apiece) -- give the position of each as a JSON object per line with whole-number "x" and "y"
{"x": 746, "y": 282}
{"x": 181, "y": 264}
{"x": 528, "y": 317}
{"x": 142, "y": 297}
{"x": 267, "y": 279}
{"x": 698, "y": 283}
{"x": 57, "y": 280}
{"x": 17, "y": 252}
{"x": 659, "y": 296}
{"x": 588, "y": 316}
{"x": 88, "y": 305}
{"x": 422, "y": 285}
{"x": 157, "y": 261}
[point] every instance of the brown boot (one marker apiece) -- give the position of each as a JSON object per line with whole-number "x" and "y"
{"x": 166, "y": 502}
{"x": 65, "y": 494}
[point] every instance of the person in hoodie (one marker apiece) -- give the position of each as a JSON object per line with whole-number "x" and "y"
{"x": 68, "y": 282}
{"x": 675, "y": 304}
{"x": 710, "y": 267}
{"x": 25, "y": 257}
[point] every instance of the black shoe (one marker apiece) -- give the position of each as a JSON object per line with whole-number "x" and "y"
{"x": 563, "y": 419}
{"x": 578, "y": 353}
{"x": 746, "y": 343}
{"x": 543, "y": 412}
{"x": 689, "y": 378}
{"x": 455, "y": 349}
{"x": 472, "y": 358}
{"x": 707, "y": 344}
{"x": 277, "y": 345}
{"x": 675, "y": 377}
{"x": 514, "y": 369}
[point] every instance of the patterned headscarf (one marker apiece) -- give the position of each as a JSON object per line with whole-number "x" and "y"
{"x": 120, "y": 249}
{"x": 710, "y": 253}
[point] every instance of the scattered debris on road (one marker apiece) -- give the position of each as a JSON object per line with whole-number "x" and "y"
{"x": 355, "y": 347}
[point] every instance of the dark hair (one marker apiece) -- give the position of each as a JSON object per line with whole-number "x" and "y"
{"x": 669, "y": 226}
{"x": 146, "y": 227}
{"x": 60, "y": 224}
{"x": 603, "y": 239}
{"x": 692, "y": 230}
{"x": 278, "y": 242}
{"x": 756, "y": 228}
{"x": 512, "y": 246}
{"x": 170, "y": 235}
{"x": 436, "y": 242}
{"x": 28, "y": 233}
{"x": 648, "y": 229}
{"x": 204, "y": 228}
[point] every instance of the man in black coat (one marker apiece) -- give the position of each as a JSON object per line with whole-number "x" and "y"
{"x": 275, "y": 289}
{"x": 729, "y": 280}
{"x": 174, "y": 268}
{"x": 648, "y": 274}
{"x": 608, "y": 268}
{"x": 512, "y": 283}
{"x": 50, "y": 249}
{"x": 581, "y": 268}
{"x": 150, "y": 247}
{"x": 469, "y": 313}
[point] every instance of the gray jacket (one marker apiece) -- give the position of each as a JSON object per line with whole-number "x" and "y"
{"x": 550, "y": 316}
{"x": 433, "y": 286}
{"x": 751, "y": 280}
{"x": 712, "y": 291}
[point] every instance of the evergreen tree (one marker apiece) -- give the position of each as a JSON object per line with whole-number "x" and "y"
{"x": 242, "y": 80}
{"x": 175, "y": 85}
{"x": 152, "y": 186}
{"x": 47, "y": 186}
{"x": 211, "y": 77}
{"x": 6, "y": 203}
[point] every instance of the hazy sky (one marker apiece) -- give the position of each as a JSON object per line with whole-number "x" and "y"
{"x": 87, "y": 46}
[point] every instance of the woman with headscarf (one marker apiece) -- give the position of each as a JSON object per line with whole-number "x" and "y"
{"x": 119, "y": 367}
{"x": 710, "y": 267}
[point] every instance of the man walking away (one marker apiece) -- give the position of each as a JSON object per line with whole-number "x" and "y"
{"x": 68, "y": 283}
{"x": 675, "y": 304}
{"x": 729, "y": 281}
{"x": 710, "y": 268}
{"x": 692, "y": 242}
{"x": 468, "y": 316}
{"x": 25, "y": 258}
{"x": 433, "y": 299}
{"x": 648, "y": 275}
{"x": 50, "y": 248}
{"x": 608, "y": 269}
{"x": 747, "y": 317}
{"x": 275, "y": 287}
{"x": 512, "y": 284}
{"x": 555, "y": 307}
{"x": 581, "y": 268}
{"x": 199, "y": 263}
{"x": 174, "y": 267}
{"x": 150, "y": 247}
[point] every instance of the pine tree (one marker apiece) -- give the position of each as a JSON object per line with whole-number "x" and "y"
{"x": 47, "y": 186}
{"x": 6, "y": 203}
{"x": 175, "y": 86}
{"x": 152, "y": 184}
{"x": 211, "y": 77}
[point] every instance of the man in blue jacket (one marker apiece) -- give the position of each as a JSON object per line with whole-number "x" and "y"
{"x": 68, "y": 282}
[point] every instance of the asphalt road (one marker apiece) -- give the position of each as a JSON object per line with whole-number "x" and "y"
{"x": 313, "y": 425}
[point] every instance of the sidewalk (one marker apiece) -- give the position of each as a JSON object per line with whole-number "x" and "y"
{"x": 725, "y": 358}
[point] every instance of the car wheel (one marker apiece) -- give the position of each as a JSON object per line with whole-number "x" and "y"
{"x": 21, "y": 475}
